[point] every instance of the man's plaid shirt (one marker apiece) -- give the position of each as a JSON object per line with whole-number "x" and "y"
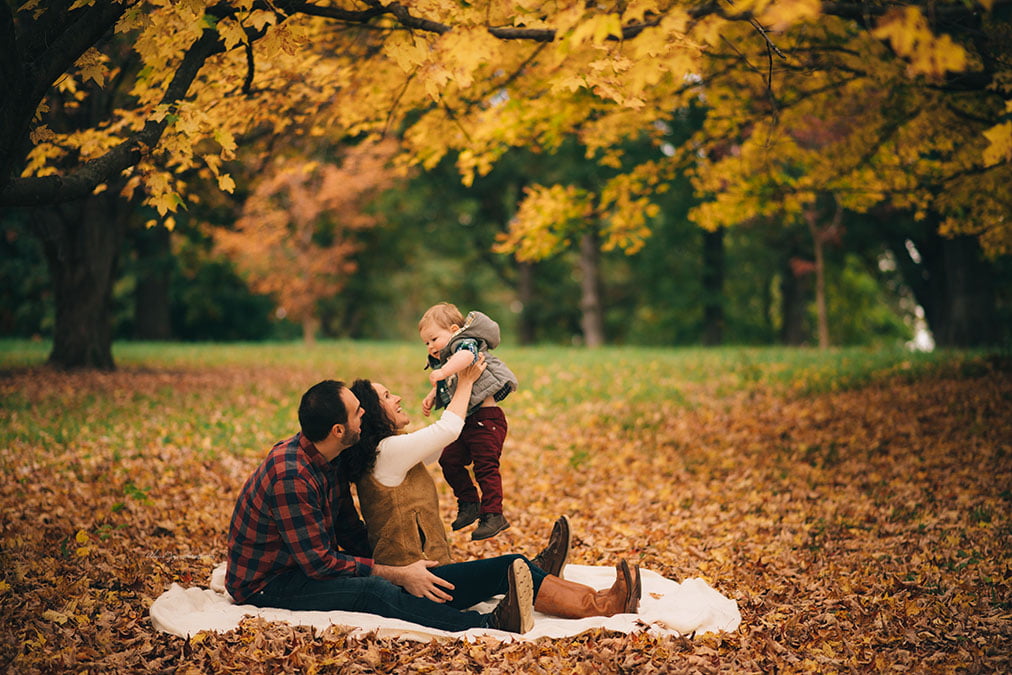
{"x": 294, "y": 512}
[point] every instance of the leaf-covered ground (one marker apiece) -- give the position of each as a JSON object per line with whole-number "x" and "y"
{"x": 859, "y": 514}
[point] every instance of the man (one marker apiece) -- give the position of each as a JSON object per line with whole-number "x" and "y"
{"x": 296, "y": 540}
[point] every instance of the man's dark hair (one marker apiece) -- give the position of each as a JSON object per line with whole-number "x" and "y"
{"x": 321, "y": 408}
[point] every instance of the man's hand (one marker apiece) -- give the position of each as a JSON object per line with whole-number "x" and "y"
{"x": 416, "y": 579}
{"x": 428, "y": 402}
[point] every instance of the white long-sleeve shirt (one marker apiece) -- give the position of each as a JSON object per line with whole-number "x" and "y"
{"x": 395, "y": 455}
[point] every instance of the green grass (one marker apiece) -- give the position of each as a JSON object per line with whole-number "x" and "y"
{"x": 564, "y": 375}
{"x": 185, "y": 394}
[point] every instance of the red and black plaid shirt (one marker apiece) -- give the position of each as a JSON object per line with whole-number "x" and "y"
{"x": 294, "y": 511}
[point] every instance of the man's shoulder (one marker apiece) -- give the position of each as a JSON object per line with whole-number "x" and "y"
{"x": 286, "y": 456}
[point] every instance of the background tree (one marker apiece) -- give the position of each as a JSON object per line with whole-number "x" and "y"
{"x": 295, "y": 237}
{"x": 920, "y": 93}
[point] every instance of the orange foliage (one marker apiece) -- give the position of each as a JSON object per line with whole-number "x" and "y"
{"x": 295, "y": 237}
{"x": 863, "y": 530}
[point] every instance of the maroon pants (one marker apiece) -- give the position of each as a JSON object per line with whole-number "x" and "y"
{"x": 480, "y": 444}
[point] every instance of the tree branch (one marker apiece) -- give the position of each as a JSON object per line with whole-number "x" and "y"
{"x": 333, "y": 12}
{"x": 36, "y": 58}
{"x": 80, "y": 183}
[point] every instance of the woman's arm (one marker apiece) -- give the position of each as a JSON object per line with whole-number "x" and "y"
{"x": 397, "y": 454}
{"x": 465, "y": 381}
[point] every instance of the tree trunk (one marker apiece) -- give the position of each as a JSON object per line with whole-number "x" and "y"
{"x": 527, "y": 326}
{"x": 793, "y": 298}
{"x": 592, "y": 319}
{"x": 969, "y": 295}
{"x": 152, "y": 315}
{"x": 949, "y": 277}
{"x": 81, "y": 242}
{"x": 818, "y": 245}
{"x": 713, "y": 287}
{"x": 954, "y": 284}
{"x": 310, "y": 325}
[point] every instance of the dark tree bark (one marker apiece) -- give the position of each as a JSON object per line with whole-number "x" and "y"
{"x": 795, "y": 290}
{"x": 152, "y": 312}
{"x": 81, "y": 243}
{"x": 592, "y": 314}
{"x": 968, "y": 297}
{"x": 953, "y": 282}
{"x": 713, "y": 287}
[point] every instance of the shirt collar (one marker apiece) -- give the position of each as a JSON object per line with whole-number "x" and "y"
{"x": 316, "y": 458}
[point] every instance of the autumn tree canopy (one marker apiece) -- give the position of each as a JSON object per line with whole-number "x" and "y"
{"x": 294, "y": 238}
{"x": 882, "y": 105}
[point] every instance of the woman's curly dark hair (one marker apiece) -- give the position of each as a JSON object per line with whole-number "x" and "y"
{"x": 359, "y": 460}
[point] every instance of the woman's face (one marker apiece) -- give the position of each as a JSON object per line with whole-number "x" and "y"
{"x": 391, "y": 406}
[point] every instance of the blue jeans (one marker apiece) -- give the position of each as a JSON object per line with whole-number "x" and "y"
{"x": 478, "y": 580}
{"x": 475, "y": 581}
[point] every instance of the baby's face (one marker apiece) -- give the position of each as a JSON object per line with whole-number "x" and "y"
{"x": 435, "y": 337}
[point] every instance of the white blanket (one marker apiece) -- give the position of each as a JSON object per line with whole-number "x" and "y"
{"x": 666, "y": 608}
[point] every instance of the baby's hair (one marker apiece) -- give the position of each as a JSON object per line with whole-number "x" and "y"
{"x": 442, "y": 315}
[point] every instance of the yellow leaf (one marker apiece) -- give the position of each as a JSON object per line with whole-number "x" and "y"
{"x": 784, "y": 13}
{"x": 909, "y": 34}
{"x": 53, "y": 615}
{"x": 225, "y": 183}
{"x": 41, "y": 133}
{"x": 999, "y": 147}
{"x": 597, "y": 29}
{"x": 227, "y": 142}
{"x": 260, "y": 18}
{"x": 231, "y": 32}
{"x": 406, "y": 51}
{"x": 81, "y": 537}
{"x": 637, "y": 10}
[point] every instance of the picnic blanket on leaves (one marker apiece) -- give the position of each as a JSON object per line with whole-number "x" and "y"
{"x": 667, "y": 607}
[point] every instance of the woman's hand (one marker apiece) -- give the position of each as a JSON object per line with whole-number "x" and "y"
{"x": 465, "y": 378}
{"x": 473, "y": 371}
{"x": 416, "y": 579}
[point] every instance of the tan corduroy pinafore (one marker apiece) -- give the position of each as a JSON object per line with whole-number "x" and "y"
{"x": 403, "y": 521}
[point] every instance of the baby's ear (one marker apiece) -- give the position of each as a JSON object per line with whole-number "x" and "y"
{"x": 454, "y": 328}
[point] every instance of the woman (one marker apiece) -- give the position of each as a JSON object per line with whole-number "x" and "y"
{"x": 401, "y": 510}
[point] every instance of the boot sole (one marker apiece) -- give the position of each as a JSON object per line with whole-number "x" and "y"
{"x": 456, "y": 527}
{"x": 489, "y": 536}
{"x": 521, "y": 590}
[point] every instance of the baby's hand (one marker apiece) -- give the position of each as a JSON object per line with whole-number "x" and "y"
{"x": 427, "y": 403}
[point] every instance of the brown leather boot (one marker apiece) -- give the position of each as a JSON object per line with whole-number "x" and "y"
{"x": 571, "y": 600}
{"x": 553, "y": 557}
